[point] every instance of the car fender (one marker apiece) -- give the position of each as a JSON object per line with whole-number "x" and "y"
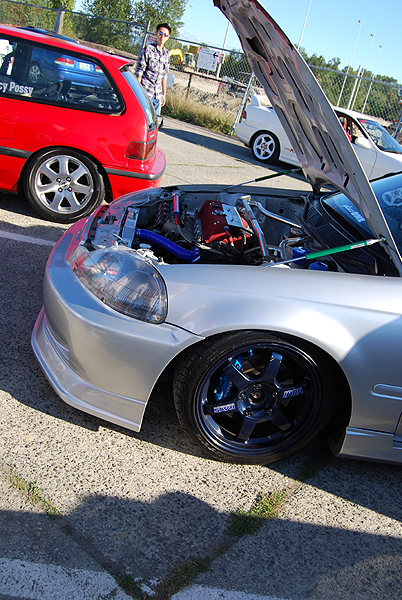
{"x": 386, "y": 162}
{"x": 347, "y": 316}
{"x": 27, "y": 165}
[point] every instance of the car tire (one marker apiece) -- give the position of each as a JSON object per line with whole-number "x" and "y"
{"x": 35, "y": 75}
{"x": 252, "y": 397}
{"x": 63, "y": 185}
{"x": 265, "y": 146}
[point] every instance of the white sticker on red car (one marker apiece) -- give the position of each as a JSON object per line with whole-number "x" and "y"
{"x": 15, "y": 88}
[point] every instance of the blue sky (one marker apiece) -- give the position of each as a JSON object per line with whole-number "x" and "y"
{"x": 331, "y": 29}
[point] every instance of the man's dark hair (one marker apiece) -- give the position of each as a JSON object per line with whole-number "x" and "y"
{"x": 165, "y": 25}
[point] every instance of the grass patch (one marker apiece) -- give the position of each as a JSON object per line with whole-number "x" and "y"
{"x": 181, "y": 577}
{"x": 197, "y": 113}
{"x": 131, "y": 587}
{"x": 321, "y": 458}
{"x": 267, "y": 507}
{"x": 34, "y": 495}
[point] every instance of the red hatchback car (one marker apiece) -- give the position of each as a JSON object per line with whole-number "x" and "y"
{"x": 76, "y": 127}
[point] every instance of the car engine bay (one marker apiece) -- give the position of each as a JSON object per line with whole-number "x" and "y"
{"x": 215, "y": 226}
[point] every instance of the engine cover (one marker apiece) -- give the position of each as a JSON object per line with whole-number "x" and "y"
{"x": 221, "y": 223}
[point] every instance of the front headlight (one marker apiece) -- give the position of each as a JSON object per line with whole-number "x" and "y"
{"x": 122, "y": 281}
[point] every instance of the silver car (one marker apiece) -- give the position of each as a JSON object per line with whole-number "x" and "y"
{"x": 275, "y": 314}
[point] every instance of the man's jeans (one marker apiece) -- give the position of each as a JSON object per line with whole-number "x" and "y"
{"x": 157, "y": 104}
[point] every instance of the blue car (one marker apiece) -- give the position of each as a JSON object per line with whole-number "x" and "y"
{"x": 47, "y": 65}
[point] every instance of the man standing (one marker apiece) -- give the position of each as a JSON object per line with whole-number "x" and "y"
{"x": 153, "y": 67}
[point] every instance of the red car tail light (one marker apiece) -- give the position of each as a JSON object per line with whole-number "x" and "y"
{"x": 141, "y": 150}
{"x": 64, "y": 62}
{"x": 244, "y": 115}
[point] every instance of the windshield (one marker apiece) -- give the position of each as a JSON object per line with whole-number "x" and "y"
{"x": 380, "y": 136}
{"x": 143, "y": 98}
{"x": 389, "y": 195}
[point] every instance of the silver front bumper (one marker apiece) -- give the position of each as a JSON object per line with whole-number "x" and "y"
{"x": 98, "y": 360}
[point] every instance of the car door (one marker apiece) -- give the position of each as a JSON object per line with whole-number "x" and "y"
{"x": 362, "y": 145}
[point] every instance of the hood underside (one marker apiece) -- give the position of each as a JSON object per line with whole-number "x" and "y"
{"x": 318, "y": 139}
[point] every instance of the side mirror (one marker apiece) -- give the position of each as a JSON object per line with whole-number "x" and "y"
{"x": 362, "y": 142}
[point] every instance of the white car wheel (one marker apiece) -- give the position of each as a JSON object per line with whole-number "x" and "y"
{"x": 265, "y": 146}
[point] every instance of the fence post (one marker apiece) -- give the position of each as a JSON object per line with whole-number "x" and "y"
{"x": 144, "y": 40}
{"x": 188, "y": 85}
{"x": 242, "y": 103}
{"x": 59, "y": 19}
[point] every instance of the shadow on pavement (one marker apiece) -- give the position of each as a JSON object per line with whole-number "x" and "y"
{"x": 148, "y": 540}
{"x": 34, "y": 225}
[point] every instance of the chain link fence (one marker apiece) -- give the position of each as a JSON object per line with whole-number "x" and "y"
{"x": 211, "y": 75}
{"x": 362, "y": 94}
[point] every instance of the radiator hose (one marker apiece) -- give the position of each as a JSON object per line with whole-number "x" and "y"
{"x": 150, "y": 236}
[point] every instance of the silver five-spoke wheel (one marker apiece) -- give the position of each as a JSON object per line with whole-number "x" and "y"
{"x": 265, "y": 146}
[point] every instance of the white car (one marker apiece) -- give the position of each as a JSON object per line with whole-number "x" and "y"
{"x": 261, "y": 130}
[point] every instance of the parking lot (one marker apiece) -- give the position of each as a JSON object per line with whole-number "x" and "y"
{"x": 139, "y": 505}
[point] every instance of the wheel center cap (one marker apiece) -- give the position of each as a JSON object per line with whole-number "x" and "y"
{"x": 257, "y": 396}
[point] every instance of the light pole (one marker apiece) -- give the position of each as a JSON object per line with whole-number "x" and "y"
{"x": 223, "y": 47}
{"x": 372, "y": 79}
{"x": 304, "y": 25}
{"x": 188, "y": 15}
{"x": 354, "y": 86}
{"x": 350, "y": 62}
{"x": 364, "y": 68}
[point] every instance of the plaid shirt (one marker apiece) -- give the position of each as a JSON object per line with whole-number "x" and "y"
{"x": 153, "y": 66}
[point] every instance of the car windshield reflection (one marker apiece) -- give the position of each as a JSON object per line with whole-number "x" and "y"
{"x": 380, "y": 136}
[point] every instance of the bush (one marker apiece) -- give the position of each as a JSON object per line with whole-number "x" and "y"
{"x": 193, "y": 111}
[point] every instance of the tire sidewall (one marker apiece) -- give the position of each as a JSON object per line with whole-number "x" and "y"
{"x": 207, "y": 362}
{"x": 40, "y": 76}
{"x": 275, "y": 154}
{"x": 68, "y": 217}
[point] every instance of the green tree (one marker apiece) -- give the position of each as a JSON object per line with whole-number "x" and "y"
{"x": 26, "y": 15}
{"x": 67, "y": 4}
{"x": 112, "y": 9}
{"x": 236, "y": 65}
{"x": 102, "y": 30}
{"x": 65, "y": 23}
{"x": 160, "y": 11}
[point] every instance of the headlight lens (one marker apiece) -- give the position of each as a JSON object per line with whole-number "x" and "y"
{"x": 122, "y": 281}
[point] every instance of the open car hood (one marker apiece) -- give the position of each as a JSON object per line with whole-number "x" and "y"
{"x": 318, "y": 139}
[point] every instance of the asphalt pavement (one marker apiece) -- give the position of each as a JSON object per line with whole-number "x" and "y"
{"x": 132, "y": 513}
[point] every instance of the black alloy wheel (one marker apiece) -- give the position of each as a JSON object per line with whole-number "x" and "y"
{"x": 254, "y": 398}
